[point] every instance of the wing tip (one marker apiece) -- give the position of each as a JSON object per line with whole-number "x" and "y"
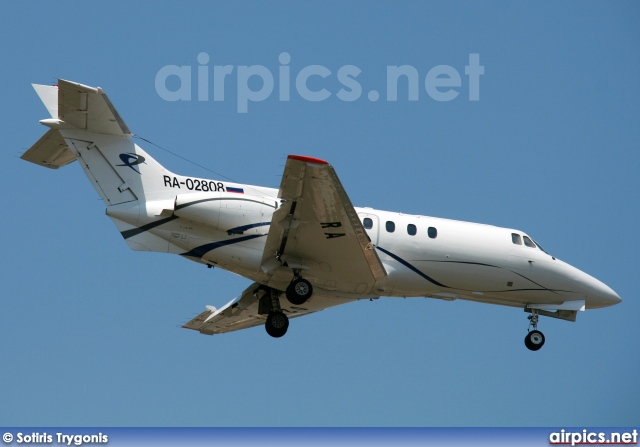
{"x": 307, "y": 159}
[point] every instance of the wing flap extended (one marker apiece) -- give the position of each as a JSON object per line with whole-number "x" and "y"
{"x": 318, "y": 230}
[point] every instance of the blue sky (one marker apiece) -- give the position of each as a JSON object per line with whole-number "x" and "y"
{"x": 91, "y": 331}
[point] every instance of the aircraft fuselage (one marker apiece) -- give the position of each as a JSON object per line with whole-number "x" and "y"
{"x": 423, "y": 256}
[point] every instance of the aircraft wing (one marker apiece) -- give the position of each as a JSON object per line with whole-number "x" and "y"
{"x": 317, "y": 231}
{"x": 244, "y": 312}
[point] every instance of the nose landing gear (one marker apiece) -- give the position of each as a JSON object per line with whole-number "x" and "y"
{"x": 534, "y": 339}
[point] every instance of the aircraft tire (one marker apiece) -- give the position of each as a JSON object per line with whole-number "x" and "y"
{"x": 299, "y": 291}
{"x": 534, "y": 340}
{"x": 277, "y": 324}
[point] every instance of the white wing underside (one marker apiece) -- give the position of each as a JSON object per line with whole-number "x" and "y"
{"x": 242, "y": 312}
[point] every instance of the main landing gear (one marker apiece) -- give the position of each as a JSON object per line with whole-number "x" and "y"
{"x": 277, "y": 323}
{"x": 534, "y": 339}
{"x": 299, "y": 291}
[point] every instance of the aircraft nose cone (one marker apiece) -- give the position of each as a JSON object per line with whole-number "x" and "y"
{"x": 600, "y": 295}
{"x": 595, "y": 293}
{"x": 609, "y": 296}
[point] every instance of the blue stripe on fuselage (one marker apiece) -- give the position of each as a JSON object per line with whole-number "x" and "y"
{"x": 411, "y": 267}
{"x": 199, "y": 252}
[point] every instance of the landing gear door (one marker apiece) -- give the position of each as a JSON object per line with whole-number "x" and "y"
{"x": 371, "y": 225}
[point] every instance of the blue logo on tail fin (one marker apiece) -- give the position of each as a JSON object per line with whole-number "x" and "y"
{"x": 131, "y": 160}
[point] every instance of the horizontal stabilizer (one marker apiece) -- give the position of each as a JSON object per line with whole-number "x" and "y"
{"x": 73, "y": 105}
{"x": 50, "y": 151}
{"x": 88, "y": 108}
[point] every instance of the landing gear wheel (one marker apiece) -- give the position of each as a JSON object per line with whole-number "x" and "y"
{"x": 299, "y": 291}
{"x": 534, "y": 340}
{"x": 276, "y": 324}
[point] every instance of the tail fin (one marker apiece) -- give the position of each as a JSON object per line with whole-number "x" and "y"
{"x": 86, "y": 127}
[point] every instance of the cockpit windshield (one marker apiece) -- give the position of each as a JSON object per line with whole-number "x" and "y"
{"x": 517, "y": 239}
{"x": 540, "y": 247}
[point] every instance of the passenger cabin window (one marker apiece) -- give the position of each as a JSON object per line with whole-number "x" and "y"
{"x": 515, "y": 238}
{"x": 391, "y": 227}
{"x": 528, "y": 242}
{"x": 368, "y": 223}
{"x": 411, "y": 229}
{"x": 432, "y": 232}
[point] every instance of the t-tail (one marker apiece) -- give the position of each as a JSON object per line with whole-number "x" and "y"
{"x": 85, "y": 126}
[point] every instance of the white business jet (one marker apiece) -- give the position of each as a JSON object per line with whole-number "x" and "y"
{"x": 304, "y": 246}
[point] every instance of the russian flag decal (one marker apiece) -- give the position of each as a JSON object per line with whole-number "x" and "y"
{"x": 236, "y": 190}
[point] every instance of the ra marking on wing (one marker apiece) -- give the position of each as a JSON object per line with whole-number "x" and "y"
{"x": 332, "y": 225}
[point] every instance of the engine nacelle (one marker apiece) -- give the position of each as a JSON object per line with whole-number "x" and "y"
{"x": 225, "y": 211}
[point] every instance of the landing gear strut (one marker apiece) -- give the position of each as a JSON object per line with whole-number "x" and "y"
{"x": 534, "y": 339}
{"x": 299, "y": 291}
{"x": 277, "y": 322}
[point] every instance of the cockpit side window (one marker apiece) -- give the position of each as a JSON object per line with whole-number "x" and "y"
{"x": 515, "y": 238}
{"x": 528, "y": 242}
